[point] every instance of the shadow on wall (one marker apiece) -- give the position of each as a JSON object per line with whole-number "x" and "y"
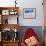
{"x": 37, "y": 29}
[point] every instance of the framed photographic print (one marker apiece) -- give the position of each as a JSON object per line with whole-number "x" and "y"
{"x": 5, "y": 12}
{"x": 12, "y": 12}
{"x": 12, "y": 20}
{"x": 7, "y": 34}
{"x": 29, "y": 13}
{"x": 0, "y": 36}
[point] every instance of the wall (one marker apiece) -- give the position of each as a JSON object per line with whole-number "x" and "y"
{"x": 7, "y": 3}
{"x": 39, "y": 13}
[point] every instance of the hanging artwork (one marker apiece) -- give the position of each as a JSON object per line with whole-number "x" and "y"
{"x": 29, "y": 13}
{"x": 5, "y": 12}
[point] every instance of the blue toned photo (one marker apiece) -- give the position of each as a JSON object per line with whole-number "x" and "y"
{"x": 29, "y": 13}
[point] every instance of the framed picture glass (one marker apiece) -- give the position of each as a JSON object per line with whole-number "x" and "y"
{"x": 0, "y": 36}
{"x": 7, "y": 34}
{"x": 5, "y": 12}
{"x": 29, "y": 13}
{"x": 12, "y": 20}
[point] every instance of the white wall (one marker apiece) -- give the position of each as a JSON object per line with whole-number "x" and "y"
{"x": 27, "y": 4}
{"x": 39, "y": 13}
{"x": 7, "y": 3}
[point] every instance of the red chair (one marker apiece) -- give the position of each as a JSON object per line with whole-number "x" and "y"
{"x": 29, "y": 33}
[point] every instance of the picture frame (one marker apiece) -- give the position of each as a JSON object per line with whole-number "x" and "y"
{"x": 0, "y": 36}
{"x": 29, "y": 13}
{"x": 6, "y": 34}
{"x": 12, "y": 12}
{"x": 5, "y": 12}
